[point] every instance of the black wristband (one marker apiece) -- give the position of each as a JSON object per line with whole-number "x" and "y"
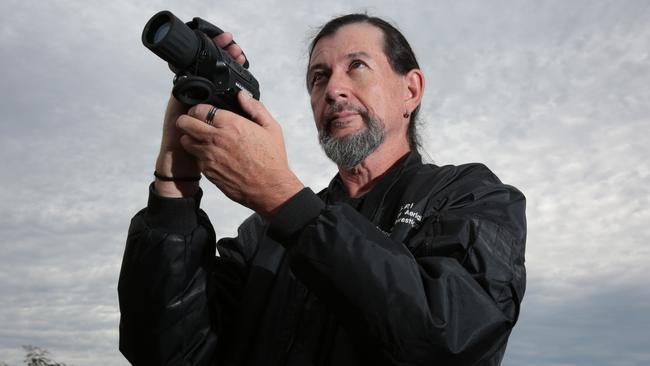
{"x": 176, "y": 179}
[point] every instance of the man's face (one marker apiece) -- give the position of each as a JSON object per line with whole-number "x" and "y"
{"x": 351, "y": 83}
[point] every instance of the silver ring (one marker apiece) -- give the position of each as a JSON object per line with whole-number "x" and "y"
{"x": 210, "y": 116}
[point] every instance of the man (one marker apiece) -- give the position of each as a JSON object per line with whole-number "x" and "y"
{"x": 396, "y": 262}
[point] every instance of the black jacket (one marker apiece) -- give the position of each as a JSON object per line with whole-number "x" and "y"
{"x": 426, "y": 269}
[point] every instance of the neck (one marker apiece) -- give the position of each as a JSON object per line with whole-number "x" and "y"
{"x": 362, "y": 178}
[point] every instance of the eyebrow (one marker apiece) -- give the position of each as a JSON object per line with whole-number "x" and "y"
{"x": 357, "y": 55}
{"x": 322, "y": 66}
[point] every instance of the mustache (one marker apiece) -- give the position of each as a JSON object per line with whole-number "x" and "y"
{"x": 342, "y": 107}
{"x": 339, "y": 107}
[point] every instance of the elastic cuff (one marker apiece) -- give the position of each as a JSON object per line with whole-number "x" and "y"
{"x": 172, "y": 215}
{"x": 295, "y": 214}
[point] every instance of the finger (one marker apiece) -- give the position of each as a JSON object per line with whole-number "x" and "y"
{"x": 193, "y": 146}
{"x": 241, "y": 59}
{"x": 234, "y": 51}
{"x": 205, "y": 131}
{"x": 223, "y": 40}
{"x": 255, "y": 109}
{"x": 203, "y": 112}
{"x": 194, "y": 127}
{"x": 226, "y": 41}
{"x": 207, "y": 113}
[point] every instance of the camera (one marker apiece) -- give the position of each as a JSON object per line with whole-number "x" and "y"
{"x": 205, "y": 74}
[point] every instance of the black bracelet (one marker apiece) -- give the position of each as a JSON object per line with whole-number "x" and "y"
{"x": 176, "y": 179}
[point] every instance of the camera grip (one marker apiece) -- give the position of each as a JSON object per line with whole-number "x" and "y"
{"x": 211, "y": 31}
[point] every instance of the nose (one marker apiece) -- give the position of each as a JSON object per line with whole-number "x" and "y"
{"x": 338, "y": 88}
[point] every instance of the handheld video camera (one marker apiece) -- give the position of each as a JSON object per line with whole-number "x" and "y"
{"x": 204, "y": 72}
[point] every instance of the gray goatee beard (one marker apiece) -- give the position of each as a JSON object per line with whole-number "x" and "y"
{"x": 350, "y": 151}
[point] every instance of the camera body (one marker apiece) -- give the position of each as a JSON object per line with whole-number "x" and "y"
{"x": 205, "y": 73}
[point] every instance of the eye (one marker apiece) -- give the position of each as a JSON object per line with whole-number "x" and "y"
{"x": 356, "y": 64}
{"x": 317, "y": 77}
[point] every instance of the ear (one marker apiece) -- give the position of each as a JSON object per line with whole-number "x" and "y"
{"x": 414, "y": 80}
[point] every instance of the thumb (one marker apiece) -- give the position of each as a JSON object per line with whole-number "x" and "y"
{"x": 255, "y": 109}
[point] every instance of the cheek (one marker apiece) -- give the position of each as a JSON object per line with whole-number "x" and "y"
{"x": 392, "y": 97}
{"x": 376, "y": 87}
{"x": 377, "y": 99}
{"x": 313, "y": 100}
{"x": 316, "y": 109}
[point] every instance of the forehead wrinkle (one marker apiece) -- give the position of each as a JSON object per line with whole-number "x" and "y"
{"x": 358, "y": 54}
{"x": 349, "y": 56}
{"x": 360, "y": 32}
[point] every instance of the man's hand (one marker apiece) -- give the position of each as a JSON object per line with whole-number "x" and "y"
{"x": 225, "y": 41}
{"x": 173, "y": 160}
{"x": 245, "y": 159}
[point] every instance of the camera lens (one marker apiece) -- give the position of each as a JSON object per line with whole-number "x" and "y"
{"x": 161, "y": 32}
{"x": 170, "y": 39}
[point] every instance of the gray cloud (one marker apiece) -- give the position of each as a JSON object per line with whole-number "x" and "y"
{"x": 602, "y": 328}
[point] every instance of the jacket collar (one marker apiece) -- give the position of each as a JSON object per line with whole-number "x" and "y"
{"x": 369, "y": 203}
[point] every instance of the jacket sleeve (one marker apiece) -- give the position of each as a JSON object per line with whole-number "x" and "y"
{"x": 450, "y": 295}
{"x": 172, "y": 290}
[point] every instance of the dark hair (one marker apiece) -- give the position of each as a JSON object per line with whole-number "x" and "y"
{"x": 397, "y": 50}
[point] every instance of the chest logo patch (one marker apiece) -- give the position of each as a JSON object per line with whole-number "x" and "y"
{"x": 407, "y": 215}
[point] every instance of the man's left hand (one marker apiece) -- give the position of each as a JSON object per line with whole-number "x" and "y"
{"x": 246, "y": 159}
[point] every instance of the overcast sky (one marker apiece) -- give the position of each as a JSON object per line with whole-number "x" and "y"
{"x": 553, "y": 96}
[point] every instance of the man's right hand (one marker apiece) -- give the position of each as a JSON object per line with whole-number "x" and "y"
{"x": 173, "y": 160}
